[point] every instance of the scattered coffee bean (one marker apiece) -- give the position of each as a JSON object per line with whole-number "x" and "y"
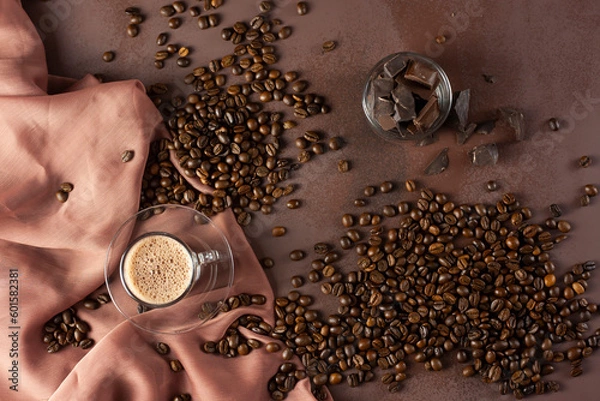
{"x": 167, "y": 11}
{"x": 297, "y": 281}
{"x": 272, "y": 347}
{"x": 62, "y": 196}
{"x": 297, "y": 255}
{"x": 329, "y": 45}
{"x": 265, "y": 6}
{"x": 267, "y": 263}
{"x": 174, "y": 23}
{"x": 410, "y": 185}
{"x": 343, "y": 166}
{"x": 179, "y": 6}
{"x": 553, "y": 124}
{"x": 347, "y": 220}
{"x": 584, "y": 200}
{"x": 132, "y": 30}
{"x": 555, "y": 210}
{"x": 440, "y": 39}
{"x": 183, "y": 62}
{"x": 103, "y": 298}
{"x": 108, "y": 56}
{"x": 293, "y": 204}
{"x": 386, "y": 187}
{"x": 564, "y": 226}
{"x": 585, "y": 161}
{"x": 175, "y": 365}
{"x": 91, "y": 304}
{"x": 591, "y": 190}
{"x": 334, "y": 143}
{"x": 162, "y": 348}
{"x": 278, "y": 231}
{"x": 491, "y": 186}
{"x": 302, "y": 8}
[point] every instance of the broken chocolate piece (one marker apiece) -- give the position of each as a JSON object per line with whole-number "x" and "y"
{"x": 427, "y": 140}
{"x": 382, "y": 87}
{"x": 394, "y": 66}
{"x": 421, "y": 73}
{"x": 459, "y": 114}
{"x": 428, "y": 115}
{"x": 484, "y": 155}
{"x": 439, "y": 164}
{"x": 486, "y": 127}
{"x": 463, "y": 136}
{"x": 515, "y": 120}
{"x": 404, "y": 106}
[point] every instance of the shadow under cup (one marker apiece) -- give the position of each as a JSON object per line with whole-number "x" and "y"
{"x": 201, "y": 291}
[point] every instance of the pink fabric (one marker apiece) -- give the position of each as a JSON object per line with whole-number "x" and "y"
{"x": 58, "y": 249}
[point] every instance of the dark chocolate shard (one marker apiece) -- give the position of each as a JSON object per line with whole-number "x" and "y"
{"x": 459, "y": 114}
{"x": 404, "y": 104}
{"x": 515, "y": 120}
{"x": 484, "y": 155}
{"x": 415, "y": 88}
{"x": 439, "y": 164}
{"x": 428, "y": 115}
{"x": 486, "y": 127}
{"x": 382, "y": 87}
{"x": 394, "y": 66}
{"x": 421, "y": 73}
{"x": 427, "y": 140}
{"x": 463, "y": 136}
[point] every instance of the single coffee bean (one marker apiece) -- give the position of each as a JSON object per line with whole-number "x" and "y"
{"x": 167, "y": 11}
{"x": 179, "y": 6}
{"x": 359, "y": 202}
{"x": 299, "y": 86}
{"x": 66, "y": 187}
{"x": 491, "y": 186}
{"x": 334, "y": 143}
{"x": 369, "y": 191}
{"x": 329, "y": 45}
{"x": 284, "y": 32}
{"x": 591, "y": 190}
{"x": 175, "y": 365}
{"x": 555, "y": 210}
{"x": 132, "y": 30}
{"x": 267, "y": 263}
{"x": 297, "y": 254}
{"x": 86, "y": 343}
{"x": 278, "y": 231}
{"x": 563, "y": 226}
{"x": 265, "y": 6}
{"x": 302, "y": 8}
{"x": 132, "y": 11}
{"x": 162, "y": 348}
{"x": 297, "y": 281}
{"x": 386, "y": 187}
{"x": 584, "y": 200}
{"x": 194, "y": 11}
{"x": 272, "y": 347}
{"x": 343, "y": 166}
{"x": 183, "y": 62}
{"x": 585, "y": 161}
{"x": 108, "y": 56}
{"x": 553, "y": 124}
{"x": 62, "y": 196}
{"x": 103, "y": 298}
{"x": 174, "y": 22}
{"x": 347, "y": 220}
{"x": 127, "y": 155}
{"x": 213, "y": 20}
{"x": 91, "y": 304}
{"x": 410, "y": 185}
{"x": 293, "y": 204}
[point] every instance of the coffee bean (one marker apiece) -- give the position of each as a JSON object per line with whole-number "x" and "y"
{"x": 167, "y": 11}
{"x": 410, "y": 186}
{"x": 553, "y": 124}
{"x": 175, "y": 365}
{"x": 265, "y": 6}
{"x": 386, "y": 187}
{"x": 62, "y": 196}
{"x": 334, "y": 143}
{"x": 584, "y": 200}
{"x": 108, "y": 56}
{"x": 347, "y": 220}
{"x": 329, "y": 45}
{"x": 491, "y": 186}
{"x": 179, "y": 6}
{"x": 297, "y": 255}
{"x": 91, "y": 304}
{"x": 591, "y": 190}
{"x": 297, "y": 281}
{"x": 563, "y": 226}
{"x": 183, "y": 62}
{"x": 162, "y": 348}
{"x": 127, "y": 155}
{"x": 272, "y": 347}
{"x": 86, "y": 343}
{"x": 284, "y": 32}
{"x": 132, "y": 11}
{"x": 267, "y": 263}
{"x": 343, "y": 166}
{"x": 555, "y": 210}
{"x": 585, "y": 161}
{"x": 132, "y": 30}
{"x": 174, "y": 22}
{"x": 278, "y": 231}
{"x": 302, "y": 8}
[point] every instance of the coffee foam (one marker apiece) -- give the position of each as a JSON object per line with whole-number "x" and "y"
{"x": 157, "y": 269}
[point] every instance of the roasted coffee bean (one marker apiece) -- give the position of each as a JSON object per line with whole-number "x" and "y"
{"x": 297, "y": 281}
{"x": 386, "y": 187}
{"x": 86, "y": 343}
{"x": 410, "y": 185}
{"x": 563, "y": 226}
{"x": 591, "y": 190}
{"x": 329, "y": 45}
{"x": 194, "y": 11}
{"x": 127, "y": 155}
{"x": 108, "y": 56}
{"x": 91, "y": 304}
{"x": 491, "y": 186}
{"x": 584, "y": 200}
{"x": 585, "y": 161}
{"x": 555, "y": 210}
{"x": 265, "y": 6}
{"x": 343, "y": 166}
{"x": 267, "y": 263}
{"x": 302, "y": 8}
{"x": 175, "y": 365}
{"x": 162, "y": 348}
{"x": 278, "y": 231}
{"x": 284, "y": 32}
{"x": 553, "y": 124}
{"x": 183, "y": 62}
{"x": 334, "y": 143}
{"x": 347, "y": 220}
{"x": 174, "y": 22}
{"x": 297, "y": 255}
{"x": 132, "y": 30}
{"x": 272, "y": 347}
{"x": 62, "y": 196}
{"x": 167, "y": 11}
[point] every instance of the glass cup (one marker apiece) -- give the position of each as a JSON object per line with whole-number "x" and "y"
{"x": 169, "y": 269}
{"x": 443, "y": 92}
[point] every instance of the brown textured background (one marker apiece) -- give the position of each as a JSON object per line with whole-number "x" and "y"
{"x": 545, "y": 59}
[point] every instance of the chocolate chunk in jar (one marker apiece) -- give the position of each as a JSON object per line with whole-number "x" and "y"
{"x": 421, "y": 73}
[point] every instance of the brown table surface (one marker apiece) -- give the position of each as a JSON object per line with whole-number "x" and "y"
{"x": 543, "y": 55}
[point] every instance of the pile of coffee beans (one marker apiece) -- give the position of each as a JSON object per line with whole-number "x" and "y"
{"x": 67, "y": 328}
{"x": 222, "y": 136}
{"x": 476, "y": 281}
